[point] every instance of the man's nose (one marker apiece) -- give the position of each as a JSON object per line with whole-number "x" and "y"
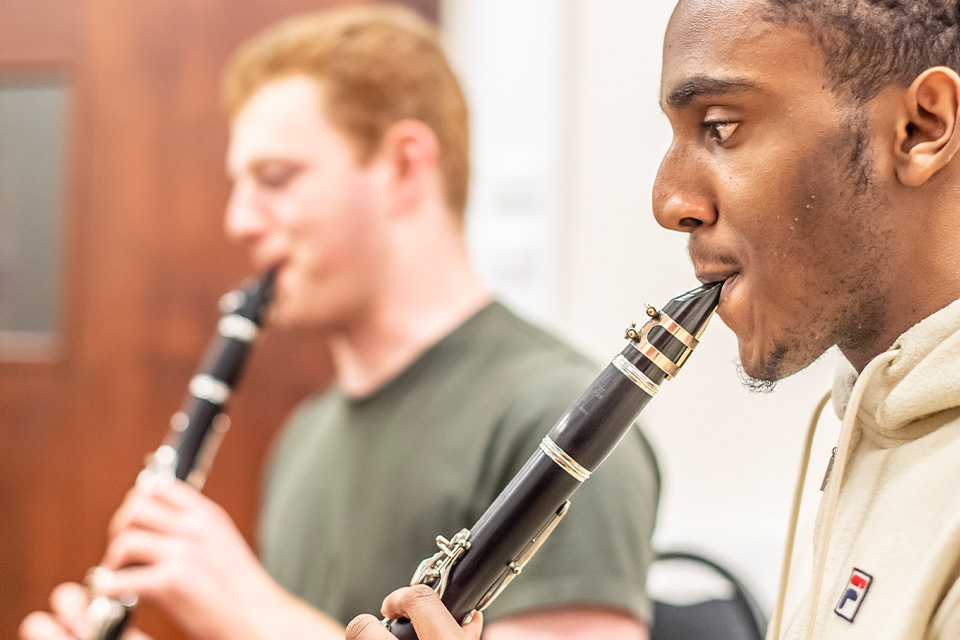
{"x": 681, "y": 199}
{"x": 245, "y": 219}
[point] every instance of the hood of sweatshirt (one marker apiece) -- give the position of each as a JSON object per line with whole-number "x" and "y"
{"x": 917, "y": 377}
{"x": 922, "y": 380}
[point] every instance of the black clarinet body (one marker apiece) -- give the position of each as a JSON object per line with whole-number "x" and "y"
{"x": 472, "y": 568}
{"x": 196, "y": 429}
{"x": 219, "y": 372}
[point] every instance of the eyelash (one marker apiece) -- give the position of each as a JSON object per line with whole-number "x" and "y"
{"x": 276, "y": 179}
{"x": 711, "y": 128}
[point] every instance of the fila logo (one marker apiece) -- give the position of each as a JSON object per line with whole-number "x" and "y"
{"x": 853, "y": 594}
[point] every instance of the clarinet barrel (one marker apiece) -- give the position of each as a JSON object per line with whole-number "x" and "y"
{"x": 476, "y": 564}
{"x": 196, "y": 429}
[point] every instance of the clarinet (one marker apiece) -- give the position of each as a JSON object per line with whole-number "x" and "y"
{"x": 195, "y": 430}
{"x": 472, "y": 568}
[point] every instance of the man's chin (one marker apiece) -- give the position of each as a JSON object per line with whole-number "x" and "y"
{"x": 286, "y": 317}
{"x": 752, "y": 384}
{"x": 761, "y": 374}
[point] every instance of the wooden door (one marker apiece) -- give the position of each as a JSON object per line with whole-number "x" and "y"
{"x": 143, "y": 262}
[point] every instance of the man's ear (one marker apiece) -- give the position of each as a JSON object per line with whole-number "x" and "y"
{"x": 927, "y": 129}
{"x": 411, "y": 151}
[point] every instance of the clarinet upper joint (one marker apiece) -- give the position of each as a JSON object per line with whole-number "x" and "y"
{"x": 513, "y": 569}
{"x": 161, "y": 467}
{"x": 435, "y": 570}
{"x": 195, "y": 430}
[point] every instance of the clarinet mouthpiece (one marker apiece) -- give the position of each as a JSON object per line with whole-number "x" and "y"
{"x": 672, "y": 333}
{"x": 693, "y": 309}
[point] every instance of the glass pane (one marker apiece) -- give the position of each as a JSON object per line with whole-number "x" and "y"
{"x": 32, "y": 163}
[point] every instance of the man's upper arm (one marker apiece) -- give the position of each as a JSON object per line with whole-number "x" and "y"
{"x": 571, "y": 623}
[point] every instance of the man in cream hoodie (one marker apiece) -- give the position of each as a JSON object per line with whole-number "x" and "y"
{"x": 815, "y": 167}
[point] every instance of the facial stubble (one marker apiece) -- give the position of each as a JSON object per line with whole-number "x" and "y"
{"x": 845, "y": 300}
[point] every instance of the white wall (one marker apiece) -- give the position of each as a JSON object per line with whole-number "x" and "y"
{"x": 515, "y": 86}
{"x": 568, "y": 135}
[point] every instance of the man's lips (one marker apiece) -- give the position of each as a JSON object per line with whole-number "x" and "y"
{"x": 264, "y": 265}
{"x": 728, "y": 277}
{"x": 729, "y": 283}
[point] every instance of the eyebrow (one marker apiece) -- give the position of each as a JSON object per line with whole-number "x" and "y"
{"x": 705, "y": 86}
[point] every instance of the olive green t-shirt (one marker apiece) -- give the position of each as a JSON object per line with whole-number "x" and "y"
{"x": 359, "y": 488}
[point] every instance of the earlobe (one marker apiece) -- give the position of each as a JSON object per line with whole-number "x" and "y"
{"x": 928, "y": 129}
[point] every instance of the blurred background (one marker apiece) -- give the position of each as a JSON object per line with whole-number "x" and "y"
{"x": 112, "y": 259}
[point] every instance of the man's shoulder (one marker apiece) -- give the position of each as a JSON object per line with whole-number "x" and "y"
{"x": 303, "y": 422}
{"x": 522, "y": 342}
{"x": 316, "y": 404}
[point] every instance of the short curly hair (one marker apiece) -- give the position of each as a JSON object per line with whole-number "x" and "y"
{"x": 378, "y": 64}
{"x": 872, "y": 44}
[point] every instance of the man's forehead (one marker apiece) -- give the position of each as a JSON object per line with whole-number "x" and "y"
{"x": 276, "y": 103}
{"x": 704, "y": 14}
{"x": 282, "y": 117}
{"x": 731, "y": 40}
{"x": 698, "y": 24}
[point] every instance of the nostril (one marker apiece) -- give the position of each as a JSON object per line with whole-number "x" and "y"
{"x": 689, "y": 223}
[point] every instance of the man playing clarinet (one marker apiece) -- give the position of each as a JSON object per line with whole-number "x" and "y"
{"x": 349, "y": 157}
{"x": 815, "y": 168}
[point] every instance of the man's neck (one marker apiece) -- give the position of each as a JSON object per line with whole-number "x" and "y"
{"x": 412, "y": 317}
{"x": 903, "y": 311}
{"x": 920, "y": 270}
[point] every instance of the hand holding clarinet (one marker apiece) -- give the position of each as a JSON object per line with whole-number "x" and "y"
{"x": 167, "y": 538}
{"x": 422, "y": 606}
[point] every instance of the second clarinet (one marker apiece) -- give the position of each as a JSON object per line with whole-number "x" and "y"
{"x": 195, "y": 430}
{"x": 476, "y": 564}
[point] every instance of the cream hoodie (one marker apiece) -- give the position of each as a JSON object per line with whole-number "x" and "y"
{"x": 887, "y": 535}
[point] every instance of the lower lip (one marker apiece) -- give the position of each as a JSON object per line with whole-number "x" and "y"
{"x": 728, "y": 286}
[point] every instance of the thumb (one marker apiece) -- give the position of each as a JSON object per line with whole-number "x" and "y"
{"x": 474, "y": 627}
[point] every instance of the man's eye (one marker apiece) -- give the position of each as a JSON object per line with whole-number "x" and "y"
{"x": 719, "y": 130}
{"x": 276, "y": 177}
